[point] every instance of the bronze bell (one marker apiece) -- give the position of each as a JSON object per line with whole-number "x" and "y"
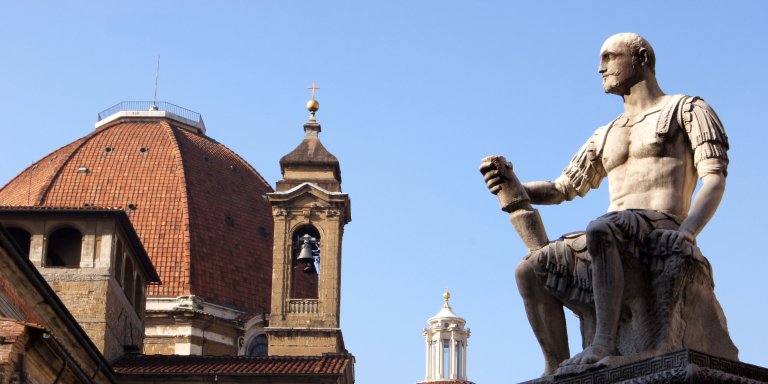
{"x": 306, "y": 257}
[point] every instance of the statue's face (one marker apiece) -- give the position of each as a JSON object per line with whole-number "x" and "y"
{"x": 619, "y": 73}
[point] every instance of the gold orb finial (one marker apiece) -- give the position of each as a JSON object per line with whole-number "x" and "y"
{"x": 446, "y": 297}
{"x": 313, "y": 105}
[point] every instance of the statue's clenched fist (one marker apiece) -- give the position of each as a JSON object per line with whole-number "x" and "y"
{"x": 496, "y": 171}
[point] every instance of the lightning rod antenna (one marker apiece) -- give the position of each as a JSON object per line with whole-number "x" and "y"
{"x": 157, "y": 77}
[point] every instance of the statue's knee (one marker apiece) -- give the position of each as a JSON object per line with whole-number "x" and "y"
{"x": 598, "y": 233}
{"x": 524, "y": 274}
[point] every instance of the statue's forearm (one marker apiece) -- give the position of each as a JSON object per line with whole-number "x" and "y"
{"x": 544, "y": 192}
{"x": 704, "y": 204}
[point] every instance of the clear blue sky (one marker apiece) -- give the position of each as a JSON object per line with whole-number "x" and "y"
{"x": 413, "y": 94}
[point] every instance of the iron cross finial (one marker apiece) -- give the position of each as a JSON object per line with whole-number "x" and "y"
{"x": 313, "y": 88}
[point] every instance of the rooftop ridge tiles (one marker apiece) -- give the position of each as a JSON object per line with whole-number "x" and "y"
{"x": 185, "y": 243}
{"x": 330, "y": 364}
{"x": 59, "y": 208}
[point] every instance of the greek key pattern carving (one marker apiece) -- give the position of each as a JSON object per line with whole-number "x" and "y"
{"x": 684, "y": 366}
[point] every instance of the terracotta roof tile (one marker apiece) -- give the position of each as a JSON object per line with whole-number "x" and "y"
{"x": 329, "y": 364}
{"x": 195, "y": 204}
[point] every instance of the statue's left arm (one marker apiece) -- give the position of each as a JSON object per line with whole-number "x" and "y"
{"x": 709, "y": 143}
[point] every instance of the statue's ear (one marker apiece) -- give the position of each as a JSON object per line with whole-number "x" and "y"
{"x": 642, "y": 56}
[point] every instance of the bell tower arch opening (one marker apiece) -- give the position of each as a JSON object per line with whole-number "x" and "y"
{"x": 305, "y": 256}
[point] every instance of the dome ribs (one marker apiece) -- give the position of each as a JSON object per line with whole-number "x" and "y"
{"x": 231, "y": 260}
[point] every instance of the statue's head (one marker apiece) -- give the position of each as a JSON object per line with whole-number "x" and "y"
{"x": 625, "y": 60}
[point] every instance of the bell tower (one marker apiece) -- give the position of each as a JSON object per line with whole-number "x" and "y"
{"x": 309, "y": 212}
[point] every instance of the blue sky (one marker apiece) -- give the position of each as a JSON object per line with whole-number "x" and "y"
{"x": 413, "y": 95}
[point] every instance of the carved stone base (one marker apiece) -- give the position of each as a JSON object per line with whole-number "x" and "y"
{"x": 685, "y": 366}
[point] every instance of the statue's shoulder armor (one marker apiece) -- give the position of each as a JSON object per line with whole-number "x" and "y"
{"x": 597, "y": 141}
{"x": 585, "y": 171}
{"x": 669, "y": 112}
{"x": 705, "y": 131}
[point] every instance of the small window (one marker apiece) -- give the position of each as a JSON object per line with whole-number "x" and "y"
{"x": 258, "y": 346}
{"x": 65, "y": 246}
{"x": 22, "y": 238}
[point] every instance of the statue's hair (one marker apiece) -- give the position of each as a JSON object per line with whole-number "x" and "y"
{"x": 636, "y": 42}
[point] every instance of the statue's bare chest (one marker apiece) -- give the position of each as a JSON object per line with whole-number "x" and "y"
{"x": 634, "y": 139}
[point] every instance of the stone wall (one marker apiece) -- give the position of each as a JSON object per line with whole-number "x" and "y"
{"x": 100, "y": 307}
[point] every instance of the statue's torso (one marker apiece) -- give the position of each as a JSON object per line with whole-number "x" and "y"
{"x": 647, "y": 170}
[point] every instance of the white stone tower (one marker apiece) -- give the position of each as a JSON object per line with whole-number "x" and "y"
{"x": 446, "y": 341}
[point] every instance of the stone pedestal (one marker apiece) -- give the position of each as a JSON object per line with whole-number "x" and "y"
{"x": 685, "y": 366}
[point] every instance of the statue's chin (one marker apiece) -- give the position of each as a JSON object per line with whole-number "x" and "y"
{"x": 614, "y": 89}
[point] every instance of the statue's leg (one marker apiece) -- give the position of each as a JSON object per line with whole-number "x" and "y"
{"x": 545, "y": 313}
{"x": 608, "y": 287}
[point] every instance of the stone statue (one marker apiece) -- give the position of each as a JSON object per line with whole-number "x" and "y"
{"x": 635, "y": 277}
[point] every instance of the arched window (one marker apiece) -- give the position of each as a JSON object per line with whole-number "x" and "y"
{"x": 128, "y": 280}
{"x": 22, "y": 238}
{"x": 65, "y": 246}
{"x": 258, "y": 346}
{"x": 305, "y": 275}
{"x": 118, "y": 266}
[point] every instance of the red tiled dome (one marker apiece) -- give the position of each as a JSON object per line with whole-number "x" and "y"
{"x": 197, "y": 206}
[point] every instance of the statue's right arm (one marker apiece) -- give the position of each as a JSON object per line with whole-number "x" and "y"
{"x": 544, "y": 192}
{"x": 584, "y": 172}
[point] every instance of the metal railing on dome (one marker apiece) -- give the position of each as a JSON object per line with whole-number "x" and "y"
{"x": 150, "y": 106}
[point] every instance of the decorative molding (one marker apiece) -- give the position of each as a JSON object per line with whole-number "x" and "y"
{"x": 685, "y": 366}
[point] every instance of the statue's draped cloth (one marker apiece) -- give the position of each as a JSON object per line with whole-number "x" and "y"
{"x": 564, "y": 264}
